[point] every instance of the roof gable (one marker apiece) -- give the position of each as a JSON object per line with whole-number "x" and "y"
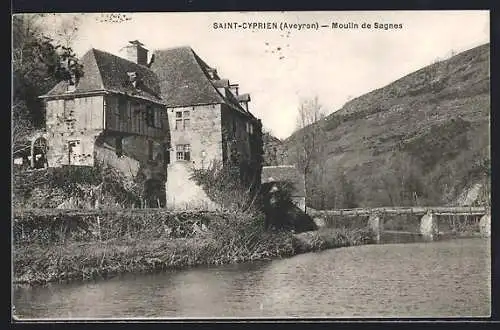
{"x": 114, "y": 74}
{"x": 182, "y": 80}
{"x": 185, "y": 81}
{"x": 107, "y": 72}
{"x": 89, "y": 82}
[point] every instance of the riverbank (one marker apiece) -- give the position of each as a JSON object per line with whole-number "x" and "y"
{"x": 54, "y": 249}
{"x": 439, "y": 279}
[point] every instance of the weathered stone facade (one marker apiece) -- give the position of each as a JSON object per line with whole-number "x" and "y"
{"x": 154, "y": 120}
{"x": 113, "y": 115}
{"x": 203, "y": 134}
{"x": 73, "y": 129}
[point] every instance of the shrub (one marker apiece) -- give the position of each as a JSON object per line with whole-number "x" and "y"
{"x": 225, "y": 187}
{"x": 49, "y": 188}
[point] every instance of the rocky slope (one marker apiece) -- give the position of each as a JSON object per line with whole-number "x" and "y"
{"x": 423, "y": 139}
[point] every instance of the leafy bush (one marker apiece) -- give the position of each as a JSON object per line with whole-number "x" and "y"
{"x": 225, "y": 187}
{"x": 61, "y": 225}
{"x": 49, "y": 188}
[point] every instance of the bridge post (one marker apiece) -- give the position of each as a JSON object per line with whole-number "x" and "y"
{"x": 485, "y": 225}
{"x": 428, "y": 226}
{"x": 375, "y": 224}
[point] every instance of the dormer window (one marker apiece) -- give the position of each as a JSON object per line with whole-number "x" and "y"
{"x": 212, "y": 73}
{"x": 71, "y": 84}
{"x": 132, "y": 77}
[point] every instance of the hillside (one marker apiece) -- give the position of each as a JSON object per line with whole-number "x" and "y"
{"x": 421, "y": 139}
{"x": 273, "y": 150}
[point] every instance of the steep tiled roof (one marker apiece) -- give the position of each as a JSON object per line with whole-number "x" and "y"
{"x": 285, "y": 173}
{"x": 177, "y": 77}
{"x": 105, "y": 71}
{"x": 184, "y": 80}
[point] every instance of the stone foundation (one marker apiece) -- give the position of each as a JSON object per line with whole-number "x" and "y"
{"x": 428, "y": 226}
{"x": 376, "y": 226}
{"x": 485, "y": 225}
{"x": 183, "y": 192}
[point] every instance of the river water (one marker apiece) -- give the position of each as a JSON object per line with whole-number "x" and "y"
{"x": 437, "y": 279}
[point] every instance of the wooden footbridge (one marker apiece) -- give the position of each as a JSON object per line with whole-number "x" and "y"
{"x": 428, "y": 221}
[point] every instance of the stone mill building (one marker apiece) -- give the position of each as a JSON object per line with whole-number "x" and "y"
{"x": 155, "y": 116}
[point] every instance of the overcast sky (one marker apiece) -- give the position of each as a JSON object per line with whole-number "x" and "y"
{"x": 333, "y": 64}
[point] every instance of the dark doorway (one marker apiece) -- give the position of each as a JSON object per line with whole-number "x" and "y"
{"x": 39, "y": 153}
{"x": 154, "y": 193}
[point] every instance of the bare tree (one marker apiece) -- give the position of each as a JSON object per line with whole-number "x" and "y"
{"x": 65, "y": 30}
{"x": 310, "y": 137}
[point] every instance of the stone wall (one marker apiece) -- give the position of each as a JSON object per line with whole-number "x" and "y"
{"x": 134, "y": 164}
{"x": 76, "y": 122}
{"x": 183, "y": 192}
{"x": 203, "y": 134}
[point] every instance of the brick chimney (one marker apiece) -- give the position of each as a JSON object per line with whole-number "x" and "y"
{"x": 135, "y": 52}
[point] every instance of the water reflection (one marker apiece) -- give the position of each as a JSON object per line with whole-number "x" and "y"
{"x": 448, "y": 278}
{"x": 228, "y": 290}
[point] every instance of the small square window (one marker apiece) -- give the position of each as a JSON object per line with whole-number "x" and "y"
{"x": 183, "y": 152}
{"x": 182, "y": 120}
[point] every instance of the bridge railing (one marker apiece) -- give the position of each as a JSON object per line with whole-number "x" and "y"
{"x": 417, "y": 210}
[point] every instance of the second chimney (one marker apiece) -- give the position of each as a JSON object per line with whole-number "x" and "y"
{"x": 135, "y": 52}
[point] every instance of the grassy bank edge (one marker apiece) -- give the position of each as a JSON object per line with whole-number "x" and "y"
{"x": 38, "y": 265}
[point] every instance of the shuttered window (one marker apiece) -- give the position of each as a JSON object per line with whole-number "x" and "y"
{"x": 183, "y": 152}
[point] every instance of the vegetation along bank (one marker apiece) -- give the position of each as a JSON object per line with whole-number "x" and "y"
{"x": 63, "y": 245}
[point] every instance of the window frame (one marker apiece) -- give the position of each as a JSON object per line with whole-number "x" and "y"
{"x": 183, "y": 152}
{"x": 181, "y": 118}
